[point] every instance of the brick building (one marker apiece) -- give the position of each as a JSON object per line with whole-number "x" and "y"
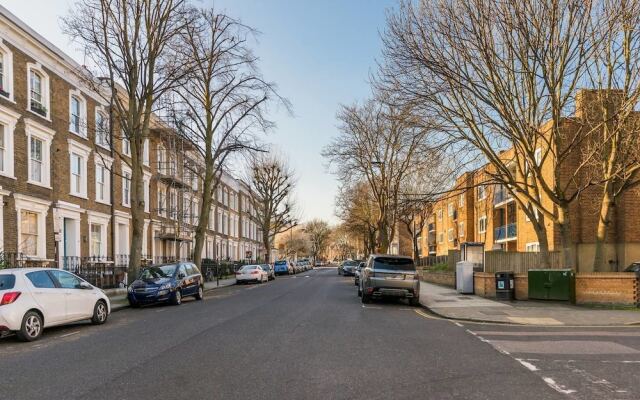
{"x": 65, "y": 192}
{"x": 476, "y": 210}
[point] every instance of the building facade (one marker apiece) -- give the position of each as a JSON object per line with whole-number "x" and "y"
{"x": 65, "y": 181}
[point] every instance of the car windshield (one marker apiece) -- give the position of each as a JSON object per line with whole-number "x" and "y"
{"x": 351, "y": 263}
{"x": 162, "y": 271}
{"x": 7, "y": 281}
{"x": 248, "y": 268}
{"x": 633, "y": 267}
{"x": 266, "y": 267}
{"x": 395, "y": 264}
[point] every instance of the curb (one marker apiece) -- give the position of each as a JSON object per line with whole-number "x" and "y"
{"x": 122, "y": 306}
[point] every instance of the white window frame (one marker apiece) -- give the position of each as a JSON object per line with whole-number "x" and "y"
{"x": 461, "y": 229}
{"x": 8, "y": 119}
{"x": 145, "y": 152}
{"x": 482, "y": 224}
{"x": 461, "y": 201}
{"x": 126, "y": 202}
{"x": 146, "y": 184}
{"x": 450, "y": 234}
{"x": 482, "y": 192}
{"x": 450, "y": 209}
{"x": 103, "y": 221}
{"x": 532, "y": 247}
{"x": 162, "y": 205}
{"x": 440, "y": 214}
{"x": 440, "y": 237}
{"x": 83, "y": 152}
{"x": 7, "y": 72}
{"x": 105, "y": 118}
{"x": 34, "y": 129}
{"x": 39, "y": 207}
{"x": 46, "y": 92}
{"x": 82, "y": 122}
{"x": 537, "y": 155}
{"x": 122, "y": 144}
{"x": 106, "y": 162}
{"x": 172, "y": 204}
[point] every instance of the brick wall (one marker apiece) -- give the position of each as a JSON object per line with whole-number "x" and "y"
{"x": 445, "y": 278}
{"x": 607, "y": 288}
{"x": 484, "y": 284}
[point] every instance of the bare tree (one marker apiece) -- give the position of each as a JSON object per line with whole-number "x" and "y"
{"x": 318, "y": 232}
{"x": 615, "y": 77}
{"x": 221, "y": 102}
{"x": 272, "y": 183}
{"x": 132, "y": 47}
{"x": 378, "y": 144}
{"x": 503, "y": 76}
{"x": 357, "y": 208}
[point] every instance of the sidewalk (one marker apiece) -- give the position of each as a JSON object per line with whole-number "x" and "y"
{"x": 119, "y": 301}
{"x": 448, "y": 303}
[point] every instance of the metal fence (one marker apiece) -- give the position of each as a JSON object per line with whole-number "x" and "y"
{"x": 450, "y": 260}
{"x": 213, "y": 269}
{"x": 518, "y": 262}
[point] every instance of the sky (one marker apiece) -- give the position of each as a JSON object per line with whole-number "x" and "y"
{"x": 320, "y": 54}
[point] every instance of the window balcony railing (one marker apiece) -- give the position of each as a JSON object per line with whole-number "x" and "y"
{"x": 38, "y": 108}
{"x": 506, "y": 232}
{"x": 502, "y": 195}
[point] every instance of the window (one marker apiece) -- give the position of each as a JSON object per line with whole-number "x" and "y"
{"x": 441, "y": 237}
{"x": 66, "y": 280}
{"x": 8, "y": 121}
{"x": 450, "y": 234}
{"x": 76, "y": 174}
{"x": 126, "y": 187}
{"x": 461, "y": 201}
{"x": 173, "y": 204}
{"x": 532, "y": 247}
{"x": 6, "y": 72}
{"x": 3, "y": 149}
{"x": 36, "y": 159}
{"x": 219, "y": 221}
{"x": 450, "y": 209}
{"x": 74, "y": 115}
{"x": 39, "y": 140}
{"x": 461, "y": 229}
{"x": 160, "y": 155}
{"x": 102, "y": 129}
{"x": 145, "y": 152}
{"x": 162, "y": 201}
{"x": 29, "y": 233}
{"x": 440, "y": 214}
{"x": 538, "y": 156}
{"x": 126, "y": 145}
{"x": 482, "y": 192}
{"x": 186, "y": 210}
{"x": 145, "y": 187}
{"x": 96, "y": 241}
{"x": 41, "y": 280}
{"x": 38, "y": 89}
{"x": 212, "y": 215}
{"x": 482, "y": 224}
{"x": 101, "y": 191}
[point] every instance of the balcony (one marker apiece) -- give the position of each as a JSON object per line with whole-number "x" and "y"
{"x": 505, "y": 233}
{"x": 501, "y": 196}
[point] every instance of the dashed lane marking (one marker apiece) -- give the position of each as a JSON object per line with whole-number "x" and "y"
{"x": 558, "y": 388}
{"x": 69, "y": 334}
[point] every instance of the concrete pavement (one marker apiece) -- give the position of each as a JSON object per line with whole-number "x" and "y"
{"x": 448, "y": 303}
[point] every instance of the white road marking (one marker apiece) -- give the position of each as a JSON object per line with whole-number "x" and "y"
{"x": 68, "y": 334}
{"x": 527, "y": 365}
{"x": 459, "y": 324}
{"x": 558, "y": 388}
{"x": 372, "y": 307}
{"x": 307, "y": 276}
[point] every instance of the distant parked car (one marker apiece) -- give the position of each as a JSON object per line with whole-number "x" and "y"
{"x": 633, "y": 267}
{"x": 356, "y": 272}
{"x": 389, "y": 276}
{"x": 348, "y": 267}
{"x": 251, "y": 273}
{"x": 271, "y": 274}
{"x": 32, "y": 299}
{"x": 283, "y": 267}
{"x": 166, "y": 283}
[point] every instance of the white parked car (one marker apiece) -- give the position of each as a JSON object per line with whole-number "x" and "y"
{"x": 32, "y": 299}
{"x": 252, "y": 273}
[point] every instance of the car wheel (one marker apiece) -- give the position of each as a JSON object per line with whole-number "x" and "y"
{"x": 366, "y": 298}
{"x": 176, "y": 300}
{"x": 100, "y": 313}
{"x": 200, "y": 294}
{"x": 31, "y": 327}
{"x": 414, "y": 302}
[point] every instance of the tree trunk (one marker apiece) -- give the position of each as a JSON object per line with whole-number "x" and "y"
{"x": 566, "y": 238}
{"x": 136, "y": 202}
{"x": 604, "y": 219}
{"x": 543, "y": 242}
{"x": 205, "y": 210}
{"x": 266, "y": 242}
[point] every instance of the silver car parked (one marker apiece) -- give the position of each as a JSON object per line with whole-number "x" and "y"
{"x": 387, "y": 275}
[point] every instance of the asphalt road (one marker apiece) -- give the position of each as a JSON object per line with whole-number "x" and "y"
{"x": 309, "y": 337}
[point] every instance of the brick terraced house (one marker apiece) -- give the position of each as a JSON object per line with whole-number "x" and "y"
{"x": 475, "y": 210}
{"x": 64, "y": 191}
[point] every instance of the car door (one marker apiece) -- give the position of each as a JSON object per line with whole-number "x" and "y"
{"x": 192, "y": 277}
{"x": 50, "y": 298}
{"x": 197, "y": 278}
{"x": 183, "y": 280}
{"x": 80, "y": 301}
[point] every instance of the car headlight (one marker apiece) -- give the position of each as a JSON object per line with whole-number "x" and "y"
{"x": 165, "y": 286}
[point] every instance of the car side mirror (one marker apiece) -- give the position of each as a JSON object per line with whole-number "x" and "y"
{"x": 84, "y": 285}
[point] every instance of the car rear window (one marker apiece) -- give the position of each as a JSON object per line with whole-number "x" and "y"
{"x": 351, "y": 263}
{"x": 248, "y": 268}
{"x": 7, "y": 281}
{"x": 280, "y": 263}
{"x": 392, "y": 263}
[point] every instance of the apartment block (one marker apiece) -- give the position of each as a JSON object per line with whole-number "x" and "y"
{"x": 478, "y": 210}
{"x": 65, "y": 182}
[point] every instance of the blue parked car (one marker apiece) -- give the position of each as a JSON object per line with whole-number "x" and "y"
{"x": 166, "y": 283}
{"x": 282, "y": 267}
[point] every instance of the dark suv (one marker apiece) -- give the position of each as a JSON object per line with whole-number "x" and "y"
{"x": 348, "y": 267}
{"x": 387, "y": 275}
